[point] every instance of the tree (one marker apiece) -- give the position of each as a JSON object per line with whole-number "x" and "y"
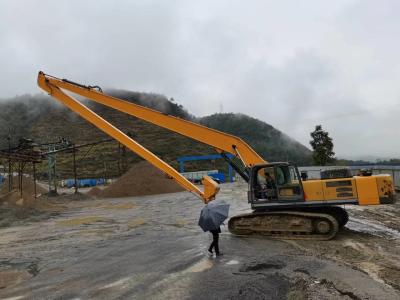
{"x": 322, "y": 145}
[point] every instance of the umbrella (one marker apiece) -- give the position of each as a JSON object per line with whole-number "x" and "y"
{"x": 213, "y": 214}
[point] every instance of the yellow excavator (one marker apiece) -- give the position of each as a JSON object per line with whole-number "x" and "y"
{"x": 284, "y": 206}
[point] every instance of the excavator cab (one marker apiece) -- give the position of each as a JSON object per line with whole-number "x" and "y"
{"x": 275, "y": 184}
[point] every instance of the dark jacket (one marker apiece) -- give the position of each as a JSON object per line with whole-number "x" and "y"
{"x": 216, "y": 230}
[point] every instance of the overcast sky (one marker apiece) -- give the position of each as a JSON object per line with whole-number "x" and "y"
{"x": 292, "y": 64}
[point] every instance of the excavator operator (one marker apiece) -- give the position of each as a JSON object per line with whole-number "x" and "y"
{"x": 270, "y": 182}
{"x": 266, "y": 184}
{"x": 270, "y": 187}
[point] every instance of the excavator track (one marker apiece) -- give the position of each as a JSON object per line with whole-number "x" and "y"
{"x": 286, "y": 225}
{"x": 337, "y": 212}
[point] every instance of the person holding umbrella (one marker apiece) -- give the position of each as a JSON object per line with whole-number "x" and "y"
{"x": 214, "y": 244}
{"x": 211, "y": 217}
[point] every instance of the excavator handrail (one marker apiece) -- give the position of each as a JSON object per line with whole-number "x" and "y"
{"x": 53, "y": 87}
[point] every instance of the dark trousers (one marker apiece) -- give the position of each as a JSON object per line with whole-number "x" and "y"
{"x": 214, "y": 243}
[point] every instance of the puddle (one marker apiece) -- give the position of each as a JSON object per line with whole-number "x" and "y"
{"x": 201, "y": 266}
{"x": 119, "y": 206}
{"x": 13, "y": 277}
{"x": 372, "y": 270}
{"x": 124, "y": 283}
{"x": 135, "y": 223}
{"x": 15, "y": 298}
{"x": 180, "y": 223}
{"x": 232, "y": 262}
{"x": 374, "y": 228}
{"x": 119, "y": 282}
{"x": 177, "y": 285}
{"x": 263, "y": 266}
{"x": 97, "y": 232}
{"x": 82, "y": 221}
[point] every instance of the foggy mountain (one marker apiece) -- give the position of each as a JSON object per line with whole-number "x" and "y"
{"x": 44, "y": 120}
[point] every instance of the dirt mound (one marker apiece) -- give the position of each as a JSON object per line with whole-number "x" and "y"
{"x": 94, "y": 192}
{"x": 15, "y": 209}
{"x": 73, "y": 197}
{"x": 28, "y": 192}
{"x": 142, "y": 179}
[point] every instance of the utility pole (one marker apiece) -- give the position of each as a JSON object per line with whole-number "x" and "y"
{"x": 105, "y": 171}
{"x": 34, "y": 178}
{"x": 119, "y": 159}
{"x": 52, "y": 174}
{"x": 20, "y": 169}
{"x": 9, "y": 161}
{"x": 75, "y": 173}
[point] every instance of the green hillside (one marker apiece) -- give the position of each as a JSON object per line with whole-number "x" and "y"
{"x": 270, "y": 143}
{"x": 44, "y": 120}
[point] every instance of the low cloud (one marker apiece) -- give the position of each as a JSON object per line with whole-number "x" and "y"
{"x": 293, "y": 65}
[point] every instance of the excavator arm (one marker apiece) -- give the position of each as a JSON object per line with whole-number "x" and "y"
{"x": 222, "y": 142}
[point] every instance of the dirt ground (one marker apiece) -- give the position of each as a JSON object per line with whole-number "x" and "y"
{"x": 370, "y": 243}
{"x": 150, "y": 247}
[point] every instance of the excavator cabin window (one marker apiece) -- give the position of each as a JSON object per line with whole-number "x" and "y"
{"x": 277, "y": 182}
{"x": 266, "y": 184}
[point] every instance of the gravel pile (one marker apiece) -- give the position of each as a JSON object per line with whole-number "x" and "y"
{"x": 142, "y": 179}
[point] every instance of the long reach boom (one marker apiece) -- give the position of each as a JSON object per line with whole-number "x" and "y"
{"x": 222, "y": 142}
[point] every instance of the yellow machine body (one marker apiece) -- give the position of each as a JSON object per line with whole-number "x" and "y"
{"x": 362, "y": 190}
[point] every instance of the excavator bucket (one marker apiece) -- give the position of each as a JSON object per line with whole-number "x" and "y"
{"x": 211, "y": 188}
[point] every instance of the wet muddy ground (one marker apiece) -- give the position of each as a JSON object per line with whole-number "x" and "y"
{"x": 151, "y": 248}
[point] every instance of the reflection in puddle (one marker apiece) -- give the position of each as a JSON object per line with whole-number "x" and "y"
{"x": 15, "y": 298}
{"x": 176, "y": 285}
{"x": 117, "y": 283}
{"x": 232, "y": 262}
{"x": 374, "y": 228}
{"x": 201, "y": 266}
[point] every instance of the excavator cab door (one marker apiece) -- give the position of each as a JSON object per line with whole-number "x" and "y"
{"x": 276, "y": 183}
